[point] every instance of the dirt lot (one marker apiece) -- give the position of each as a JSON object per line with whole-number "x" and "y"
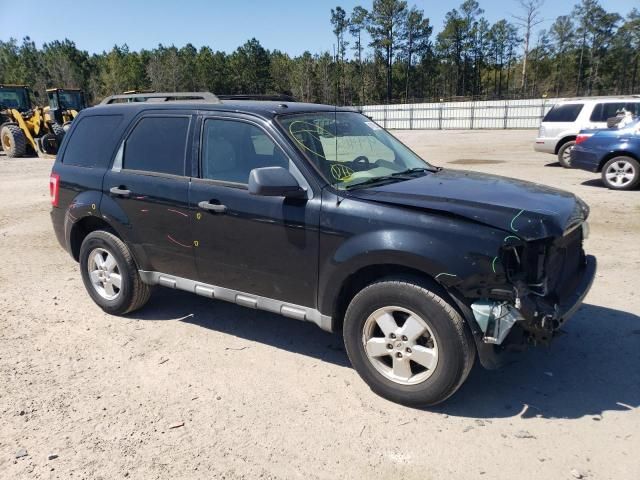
{"x": 192, "y": 388}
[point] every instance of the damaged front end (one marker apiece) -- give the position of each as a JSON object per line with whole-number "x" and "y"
{"x": 547, "y": 280}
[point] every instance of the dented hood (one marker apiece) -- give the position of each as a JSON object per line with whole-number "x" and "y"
{"x": 529, "y": 210}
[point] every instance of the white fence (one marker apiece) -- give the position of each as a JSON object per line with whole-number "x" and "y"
{"x": 493, "y": 114}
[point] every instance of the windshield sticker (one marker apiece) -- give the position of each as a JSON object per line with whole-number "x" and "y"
{"x": 341, "y": 172}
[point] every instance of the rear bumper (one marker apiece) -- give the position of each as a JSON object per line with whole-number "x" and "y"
{"x": 545, "y": 145}
{"x": 57, "y": 220}
{"x": 584, "y": 159}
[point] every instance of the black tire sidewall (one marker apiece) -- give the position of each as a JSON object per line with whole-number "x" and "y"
{"x": 18, "y": 141}
{"x": 451, "y": 365}
{"x": 629, "y": 186}
{"x": 106, "y": 241}
{"x": 561, "y": 153}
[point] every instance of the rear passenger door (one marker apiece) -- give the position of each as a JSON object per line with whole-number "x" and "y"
{"x": 148, "y": 182}
{"x": 266, "y": 246}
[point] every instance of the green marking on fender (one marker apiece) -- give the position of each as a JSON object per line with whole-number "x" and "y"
{"x": 447, "y": 274}
{"x": 493, "y": 264}
{"x": 514, "y": 219}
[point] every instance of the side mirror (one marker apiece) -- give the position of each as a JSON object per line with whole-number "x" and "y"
{"x": 274, "y": 182}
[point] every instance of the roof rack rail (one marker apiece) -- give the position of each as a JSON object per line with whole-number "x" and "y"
{"x": 276, "y": 97}
{"x": 205, "y": 97}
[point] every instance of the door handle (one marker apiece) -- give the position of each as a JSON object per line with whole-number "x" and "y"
{"x": 123, "y": 192}
{"x": 212, "y": 207}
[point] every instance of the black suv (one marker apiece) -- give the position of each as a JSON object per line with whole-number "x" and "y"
{"x": 319, "y": 214}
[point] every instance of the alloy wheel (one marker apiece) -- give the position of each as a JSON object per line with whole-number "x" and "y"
{"x": 620, "y": 173}
{"x": 400, "y": 345}
{"x": 104, "y": 273}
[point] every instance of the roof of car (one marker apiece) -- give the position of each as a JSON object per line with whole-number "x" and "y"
{"x": 607, "y": 99}
{"x": 266, "y": 109}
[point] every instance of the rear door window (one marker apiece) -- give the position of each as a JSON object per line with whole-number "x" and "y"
{"x": 603, "y": 111}
{"x": 567, "y": 112}
{"x": 157, "y": 144}
{"x": 92, "y": 141}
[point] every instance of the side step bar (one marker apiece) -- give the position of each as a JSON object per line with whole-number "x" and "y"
{"x": 240, "y": 298}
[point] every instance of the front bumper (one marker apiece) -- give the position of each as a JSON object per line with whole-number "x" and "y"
{"x": 570, "y": 305}
{"x": 493, "y": 356}
{"x": 545, "y": 145}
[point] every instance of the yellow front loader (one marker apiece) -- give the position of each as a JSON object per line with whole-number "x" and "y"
{"x": 64, "y": 105}
{"x": 23, "y": 126}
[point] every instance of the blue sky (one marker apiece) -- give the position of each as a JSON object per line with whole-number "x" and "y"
{"x": 290, "y": 26}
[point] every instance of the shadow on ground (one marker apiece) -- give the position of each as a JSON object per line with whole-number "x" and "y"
{"x": 597, "y": 182}
{"x": 593, "y": 368}
{"x": 298, "y": 337}
{"x": 594, "y": 182}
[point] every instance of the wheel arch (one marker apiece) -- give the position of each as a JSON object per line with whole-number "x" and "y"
{"x": 370, "y": 274}
{"x": 616, "y": 153}
{"x": 568, "y": 138}
{"x": 82, "y": 228}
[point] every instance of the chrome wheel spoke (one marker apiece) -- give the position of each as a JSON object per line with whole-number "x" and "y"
{"x": 95, "y": 277}
{"x": 377, "y": 347}
{"x": 116, "y": 280}
{"x": 108, "y": 287}
{"x": 401, "y": 368}
{"x": 98, "y": 261}
{"x": 110, "y": 263}
{"x": 387, "y": 323}
{"x": 427, "y": 357}
{"x": 413, "y": 327}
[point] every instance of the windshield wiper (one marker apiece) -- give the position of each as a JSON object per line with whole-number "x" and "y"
{"x": 371, "y": 181}
{"x": 403, "y": 175}
{"x": 409, "y": 171}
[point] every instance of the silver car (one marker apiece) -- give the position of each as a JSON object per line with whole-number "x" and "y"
{"x": 561, "y": 125}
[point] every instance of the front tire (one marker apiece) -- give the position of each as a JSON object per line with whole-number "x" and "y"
{"x": 14, "y": 141}
{"x": 564, "y": 154}
{"x": 408, "y": 343}
{"x": 621, "y": 173}
{"x": 110, "y": 274}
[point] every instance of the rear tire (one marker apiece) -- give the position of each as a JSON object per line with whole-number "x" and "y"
{"x": 110, "y": 274}
{"x": 57, "y": 129}
{"x": 14, "y": 142}
{"x": 621, "y": 173}
{"x": 49, "y": 143}
{"x": 564, "y": 154}
{"x": 436, "y": 362}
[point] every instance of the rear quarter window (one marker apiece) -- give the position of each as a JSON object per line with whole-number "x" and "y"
{"x": 603, "y": 111}
{"x": 567, "y": 112}
{"x": 92, "y": 141}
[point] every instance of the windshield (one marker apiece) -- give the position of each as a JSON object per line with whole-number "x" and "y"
{"x": 71, "y": 100}
{"x": 350, "y": 150}
{"x": 14, "y": 98}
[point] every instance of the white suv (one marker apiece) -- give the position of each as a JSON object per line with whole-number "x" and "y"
{"x": 561, "y": 125}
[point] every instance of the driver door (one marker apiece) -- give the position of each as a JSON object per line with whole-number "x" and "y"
{"x": 266, "y": 246}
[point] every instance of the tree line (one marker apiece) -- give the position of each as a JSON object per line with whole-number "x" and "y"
{"x": 388, "y": 54}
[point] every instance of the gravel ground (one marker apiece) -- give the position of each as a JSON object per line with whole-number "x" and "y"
{"x": 193, "y": 388}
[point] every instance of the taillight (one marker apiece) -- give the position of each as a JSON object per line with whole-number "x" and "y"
{"x": 582, "y": 137}
{"x": 54, "y": 188}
